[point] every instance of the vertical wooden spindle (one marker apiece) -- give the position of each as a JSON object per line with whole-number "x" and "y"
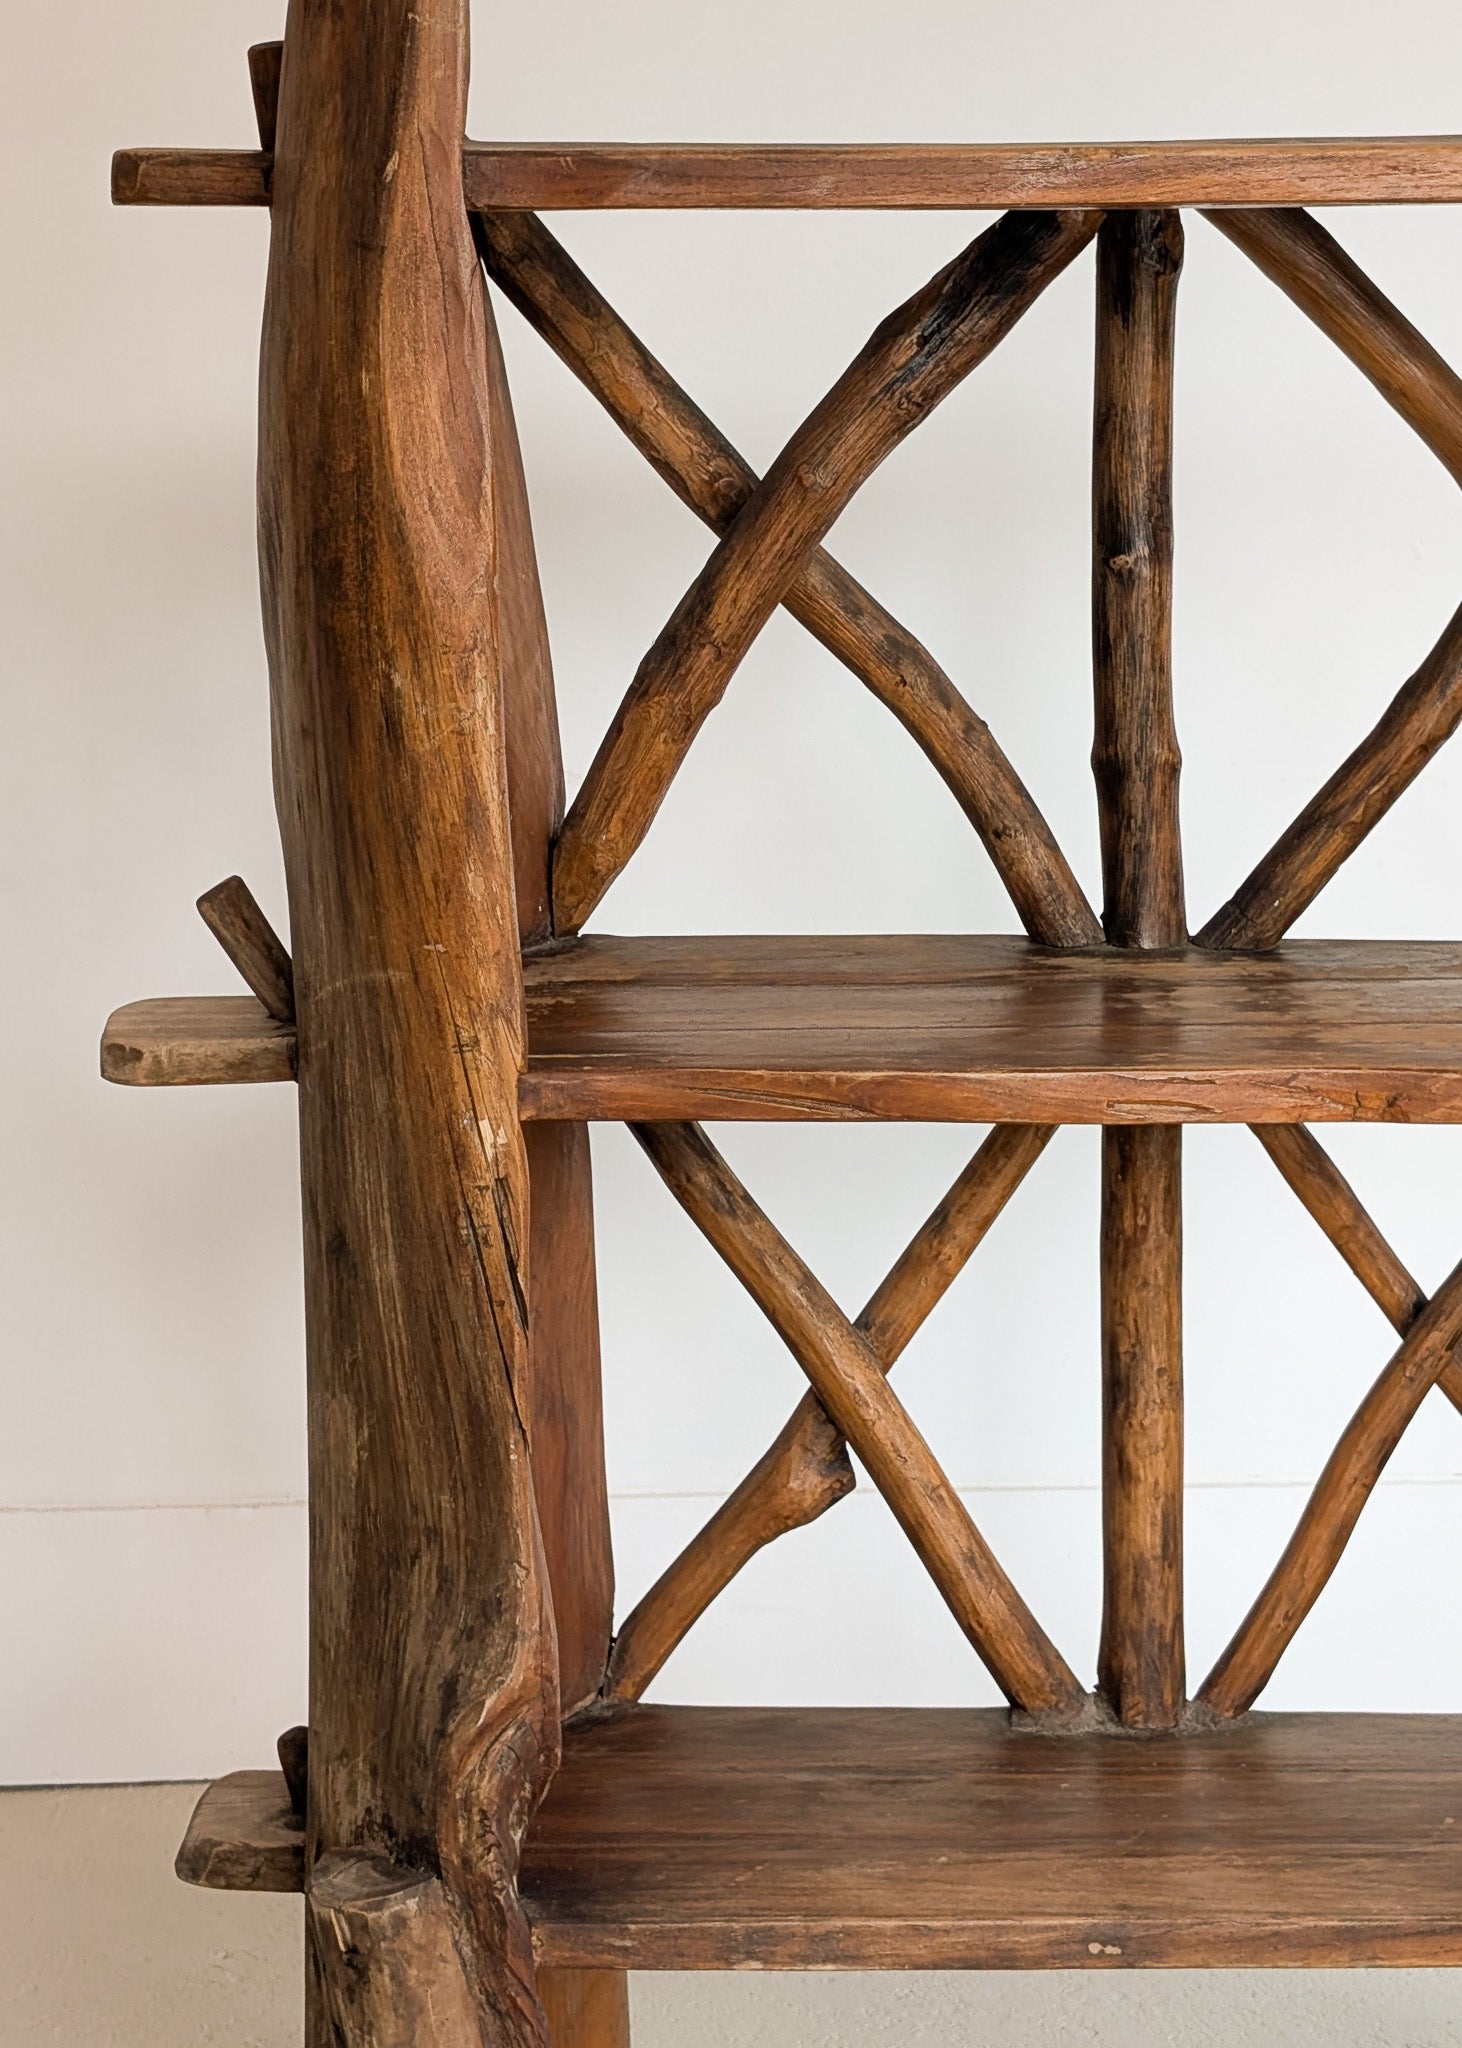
{"x": 1136, "y": 762}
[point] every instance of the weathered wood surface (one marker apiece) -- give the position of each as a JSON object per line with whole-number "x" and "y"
{"x": 251, "y": 942}
{"x": 1306, "y": 262}
{"x": 994, "y": 1030}
{"x": 433, "y": 1696}
{"x": 245, "y": 1836}
{"x": 977, "y": 1030}
{"x": 708, "y": 474}
{"x": 196, "y": 1041}
{"x": 807, "y": 1469}
{"x": 914, "y": 359}
{"x": 563, "y": 1396}
{"x": 1335, "y": 1206}
{"x": 1140, "y": 1663}
{"x": 566, "y": 1406}
{"x": 547, "y": 177}
{"x": 1136, "y": 762}
{"x": 846, "y": 1377}
{"x": 1135, "y": 755}
{"x": 1334, "y": 1508}
{"x": 694, "y": 1838}
{"x": 586, "y": 2008}
{"x": 391, "y": 1959}
{"x": 1421, "y": 717}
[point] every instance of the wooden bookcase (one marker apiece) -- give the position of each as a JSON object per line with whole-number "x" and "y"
{"x": 489, "y": 1828}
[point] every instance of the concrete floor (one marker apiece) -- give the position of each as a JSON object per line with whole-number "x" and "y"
{"x": 100, "y": 1947}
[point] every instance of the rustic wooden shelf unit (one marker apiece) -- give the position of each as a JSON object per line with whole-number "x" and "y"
{"x": 490, "y": 1828}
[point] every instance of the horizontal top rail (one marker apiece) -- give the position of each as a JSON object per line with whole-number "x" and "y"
{"x": 546, "y": 177}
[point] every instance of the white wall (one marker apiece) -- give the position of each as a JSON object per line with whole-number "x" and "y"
{"x": 151, "y": 1463}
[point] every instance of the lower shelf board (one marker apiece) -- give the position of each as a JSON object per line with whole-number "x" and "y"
{"x": 680, "y": 1838}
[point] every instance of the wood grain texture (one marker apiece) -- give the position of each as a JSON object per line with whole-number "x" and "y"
{"x": 1421, "y": 717}
{"x": 192, "y": 177}
{"x": 1135, "y": 755}
{"x": 566, "y": 1406}
{"x": 846, "y": 1377}
{"x": 245, "y": 1836}
{"x": 1140, "y": 1663}
{"x": 586, "y": 2008}
{"x": 1323, "y": 171}
{"x": 564, "y": 1395}
{"x": 433, "y": 1696}
{"x": 709, "y": 475}
{"x": 1334, "y": 1508}
{"x": 1135, "y": 758}
{"x": 953, "y": 1029}
{"x": 195, "y": 1042}
{"x": 251, "y": 942}
{"x": 1335, "y": 1206}
{"x": 807, "y": 1469}
{"x": 913, "y": 361}
{"x": 1309, "y": 265}
{"x": 697, "y": 1838}
{"x": 712, "y": 1837}
{"x": 1401, "y": 170}
{"x": 391, "y": 1959}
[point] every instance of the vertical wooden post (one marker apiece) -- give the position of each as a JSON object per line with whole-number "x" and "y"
{"x": 564, "y": 1392}
{"x": 1136, "y": 762}
{"x": 434, "y": 1702}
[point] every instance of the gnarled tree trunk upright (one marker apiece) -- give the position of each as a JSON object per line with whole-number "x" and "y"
{"x": 433, "y": 1680}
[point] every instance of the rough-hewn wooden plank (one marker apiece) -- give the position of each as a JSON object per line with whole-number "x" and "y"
{"x": 191, "y": 177}
{"x": 846, "y": 1377}
{"x": 912, "y": 362}
{"x": 807, "y": 1468}
{"x": 694, "y": 1838}
{"x": 1335, "y": 1506}
{"x": 1406, "y": 170}
{"x": 1306, "y": 262}
{"x": 433, "y": 1695}
{"x": 196, "y": 1041}
{"x": 976, "y": 1030}
{"x": 245, "y": 1836}
{"x": 707, "y": 473}
{"x": 994, "y": 1030}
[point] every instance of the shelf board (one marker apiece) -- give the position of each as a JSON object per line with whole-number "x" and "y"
{"x": 244, "y": 1837}
{"x": 553, "y": 176}
{"x": 935, "y": 1028}
{"x": 691, "y": 1838}
{"x": 682, "y": 1838}
{"x": 196, "y": 1041}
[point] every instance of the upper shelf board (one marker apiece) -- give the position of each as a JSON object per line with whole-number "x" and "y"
{"x": 930, "y": 1028}
{"x": 548, "y": 177}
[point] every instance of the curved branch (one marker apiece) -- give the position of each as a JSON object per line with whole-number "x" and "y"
{"x": 913, "y": 361}
{"x": 708, "y": 474}
{"x": 807, "y": 1470}
{"x": 849, "y": 1382}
